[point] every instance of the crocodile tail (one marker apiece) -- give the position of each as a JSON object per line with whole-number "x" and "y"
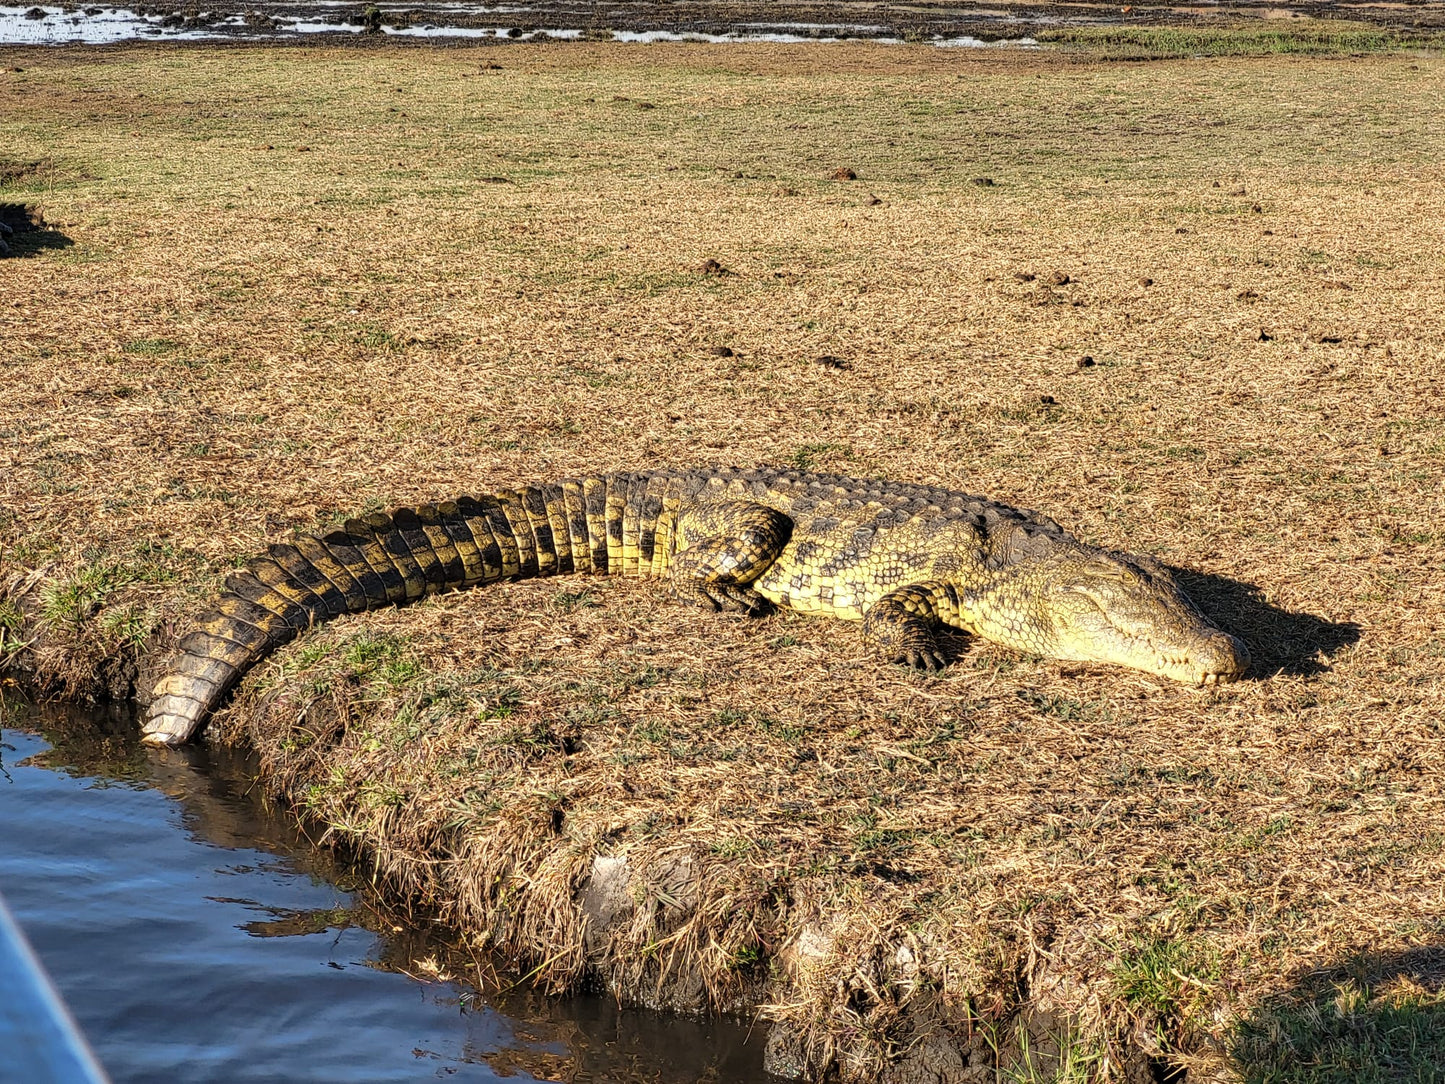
{"x": 380, "y": 560}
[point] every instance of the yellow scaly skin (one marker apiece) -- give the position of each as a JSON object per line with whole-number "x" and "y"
{"x": 902, "y": 559}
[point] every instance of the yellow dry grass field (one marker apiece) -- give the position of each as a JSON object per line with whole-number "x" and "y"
{"x": 1189, "y": 308}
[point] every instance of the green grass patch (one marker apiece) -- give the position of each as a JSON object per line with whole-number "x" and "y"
{"x": 151, "y": 348}
{"x": 1347, "y": 1034}
{"x": 1060, "y": 1055}
{"x": 1164, "y": 977}
{"x": 128, "y": 626}
{"x": 74, "y": 598}
{"x": 11, "y": 619}
{"x": 1294, "y": 37}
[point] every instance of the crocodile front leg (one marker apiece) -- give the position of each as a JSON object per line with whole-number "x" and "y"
{"x": 900, "y": 625}
{"x": 724, "y": 548}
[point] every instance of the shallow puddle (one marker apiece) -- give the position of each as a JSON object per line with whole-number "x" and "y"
{"x": 198, "y": 938}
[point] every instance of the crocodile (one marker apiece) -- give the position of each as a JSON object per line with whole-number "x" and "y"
{"x": 903, "y": 559}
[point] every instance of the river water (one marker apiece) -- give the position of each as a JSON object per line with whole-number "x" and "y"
{"x": 197, "y": 937}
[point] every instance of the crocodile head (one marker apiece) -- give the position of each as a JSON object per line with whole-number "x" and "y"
{"x": 1106, "y": 607}
{"x": 1089, "y": 605}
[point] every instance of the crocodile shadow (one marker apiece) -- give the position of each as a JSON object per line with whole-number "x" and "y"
{"x": 28, "y": 233}
{"x": 1280, "y": 642}
{"x": 1369, "y": 1016}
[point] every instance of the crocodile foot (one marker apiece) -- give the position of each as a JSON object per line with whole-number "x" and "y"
{"x": 726, "y": 598}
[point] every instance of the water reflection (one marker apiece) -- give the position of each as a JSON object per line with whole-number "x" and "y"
{"x": 198, "y": 937}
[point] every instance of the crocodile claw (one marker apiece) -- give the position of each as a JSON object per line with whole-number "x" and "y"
{"x": 924, "y": 658}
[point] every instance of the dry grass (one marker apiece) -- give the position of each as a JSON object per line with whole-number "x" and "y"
{"x": 304, "y": 282}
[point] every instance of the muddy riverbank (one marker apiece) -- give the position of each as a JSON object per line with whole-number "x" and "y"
{"x": 139, "y": 873}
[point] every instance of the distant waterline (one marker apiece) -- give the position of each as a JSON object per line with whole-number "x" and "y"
{"x": 49, "y": 25}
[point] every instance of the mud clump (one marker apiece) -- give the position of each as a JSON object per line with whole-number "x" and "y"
{"x": 12, "y": 172}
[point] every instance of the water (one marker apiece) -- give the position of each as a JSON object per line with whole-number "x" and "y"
{"x": 198, "y": 938}
{"x": 56, "y": 25}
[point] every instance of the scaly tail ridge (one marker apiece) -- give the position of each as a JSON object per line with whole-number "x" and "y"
{"x": 374, "y": 561}
{"x": 591, "y": 524}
